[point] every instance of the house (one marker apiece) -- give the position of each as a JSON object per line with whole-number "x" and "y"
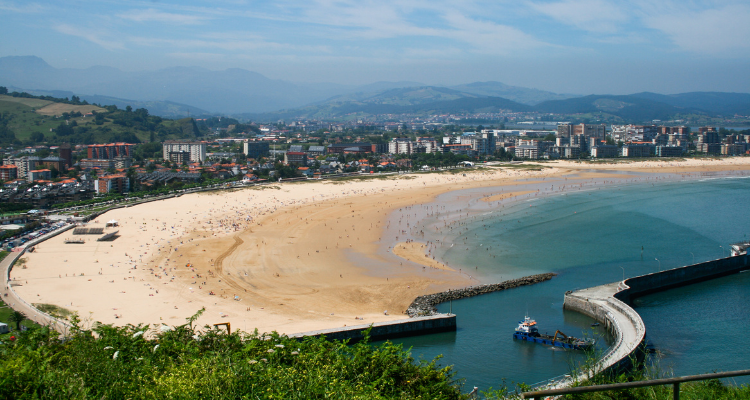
{"x": 306, "y": 171}
{"x": 249, "y": 178}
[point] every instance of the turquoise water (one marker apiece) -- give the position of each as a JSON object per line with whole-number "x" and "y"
{"x": 591, "y": 237}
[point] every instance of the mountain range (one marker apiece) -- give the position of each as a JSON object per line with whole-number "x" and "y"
{"x": 181, "y": 91}
{"x": 230, "y": 91}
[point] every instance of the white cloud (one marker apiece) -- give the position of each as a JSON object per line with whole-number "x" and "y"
{"x": 94, "y": 36}
{"x": 24, "y": 9}
{"x": 714, "y": 31}
{"x": 489, "y": 37}
{"x": 153, "y": 15}
{"x": 598, "y": 16}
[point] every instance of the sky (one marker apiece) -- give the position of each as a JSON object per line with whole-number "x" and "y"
{"x": 567, "y": 46}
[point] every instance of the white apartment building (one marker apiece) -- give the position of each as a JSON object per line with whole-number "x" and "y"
{"x": 176, "y": 149}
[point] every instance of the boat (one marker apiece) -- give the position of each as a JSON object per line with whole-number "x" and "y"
{"x": 527, "y": 330}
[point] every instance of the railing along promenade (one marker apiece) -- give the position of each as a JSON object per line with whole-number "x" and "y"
{"x": 675, "y": 382}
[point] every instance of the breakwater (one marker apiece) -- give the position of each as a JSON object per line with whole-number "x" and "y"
{"x": 611, "y": 305}
{"x": 387, "y": 329}
{"x": 426, "y": 305}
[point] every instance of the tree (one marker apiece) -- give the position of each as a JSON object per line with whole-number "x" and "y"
{"x": 3, "y": 90}
{"x": 37, "y": 137}
{"x": 17, "y": 317}
{"x": 550, "y": 137}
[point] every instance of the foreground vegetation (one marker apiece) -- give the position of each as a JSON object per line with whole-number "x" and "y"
{"x": 138, "y": 362}
{"x": 108, "y": 362}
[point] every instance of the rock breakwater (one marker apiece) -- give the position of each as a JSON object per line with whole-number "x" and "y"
{"x": 426, "y": 305}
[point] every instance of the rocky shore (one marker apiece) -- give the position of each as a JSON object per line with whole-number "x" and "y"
{"x": 426, "y": 305}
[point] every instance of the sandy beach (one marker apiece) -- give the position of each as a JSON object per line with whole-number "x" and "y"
{"x": 289, "y": 257}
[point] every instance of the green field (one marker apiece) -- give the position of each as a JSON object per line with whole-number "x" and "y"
{"x": 33, "y": 103}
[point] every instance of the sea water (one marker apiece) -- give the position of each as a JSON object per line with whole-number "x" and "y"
{"x": 593, "y": 237}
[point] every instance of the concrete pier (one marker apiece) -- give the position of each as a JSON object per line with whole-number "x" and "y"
{"x": 611, "y": 305}
{"x": 388, "y": 329}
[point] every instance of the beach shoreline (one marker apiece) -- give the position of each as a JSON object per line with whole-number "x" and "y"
{"x": 291, "y": 258}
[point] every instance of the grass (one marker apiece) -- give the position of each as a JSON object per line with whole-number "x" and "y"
{"x": 53, "y": 310}
{"x": 5, "y": 312}
{"x": 31, "y": 103}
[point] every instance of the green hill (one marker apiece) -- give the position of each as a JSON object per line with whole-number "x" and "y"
{"x": 28, "y": 120}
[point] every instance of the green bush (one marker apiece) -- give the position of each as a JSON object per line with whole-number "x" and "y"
{"x": 109, "y": 362}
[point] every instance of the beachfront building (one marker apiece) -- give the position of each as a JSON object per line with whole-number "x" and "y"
{"x": 668, "y": 151}
{"x": 605, "y": 151}
{"x": 637, "y": 150}
{"x": 459, "y": 149}
{"x": 115, "y": 183}
{"x": 179, "y": 150}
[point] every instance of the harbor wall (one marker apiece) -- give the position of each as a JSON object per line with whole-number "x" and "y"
{"x": 388, "y": 329}
{"x": 676, "y": 277}
{"x": 611, "y": 305}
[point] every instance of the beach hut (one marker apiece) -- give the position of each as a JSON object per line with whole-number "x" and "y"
{"x": 112, "y": 222}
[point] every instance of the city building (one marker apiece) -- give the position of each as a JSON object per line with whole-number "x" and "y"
{"x": 315, "y": 151}
{"x": 115, "y": 183}
{"x": 637, "y": 150}
{"x": 8, "y": 172}
{"x": 66, "y": 154}
{"x": 196, "y": 151}
{"x": 605, "y": 151}
{"x": 295, "y": 158}
{"x": 110, "y": 151}
{"x": 668, "y": 151}
{"x": 39, "y": 175}
{"x": 588, "y": 130}
{"x": 340, "y": 148}
{"x": 116, "y": 163}
{"x": 57, "y": 163}
{"x": 256, "y": 149}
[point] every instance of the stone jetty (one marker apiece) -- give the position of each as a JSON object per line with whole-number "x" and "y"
{"x": 426, "y": 305}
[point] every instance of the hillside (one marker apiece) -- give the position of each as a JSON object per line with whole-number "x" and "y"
{"x": 629, "y": 108}
{"x": 352, "y": 109}
{"x": 518, "y": 94}
{"x": 720, "y": 103}
{"x": 25, "y": 121}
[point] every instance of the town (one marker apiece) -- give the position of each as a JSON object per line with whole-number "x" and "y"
{"x": 41, "y": 176}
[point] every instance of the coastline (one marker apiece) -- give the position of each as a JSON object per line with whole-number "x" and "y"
{"x": 302, "y": 257}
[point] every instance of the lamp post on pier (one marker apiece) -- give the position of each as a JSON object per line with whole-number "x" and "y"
{"x": 623, "y": 273}
{"x": 722, "y": 251}
{"x": 658, "y": 262}
{"x": 691, "y": 253}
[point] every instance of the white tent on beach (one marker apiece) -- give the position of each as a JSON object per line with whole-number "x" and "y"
{"x": 112, "y": 222}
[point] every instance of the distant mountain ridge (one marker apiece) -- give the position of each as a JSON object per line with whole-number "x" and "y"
{"x": 229, "y": 91}
{"x": 251, "y": 95}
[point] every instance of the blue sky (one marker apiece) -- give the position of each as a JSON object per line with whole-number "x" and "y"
{"x": 571, "y": 46}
